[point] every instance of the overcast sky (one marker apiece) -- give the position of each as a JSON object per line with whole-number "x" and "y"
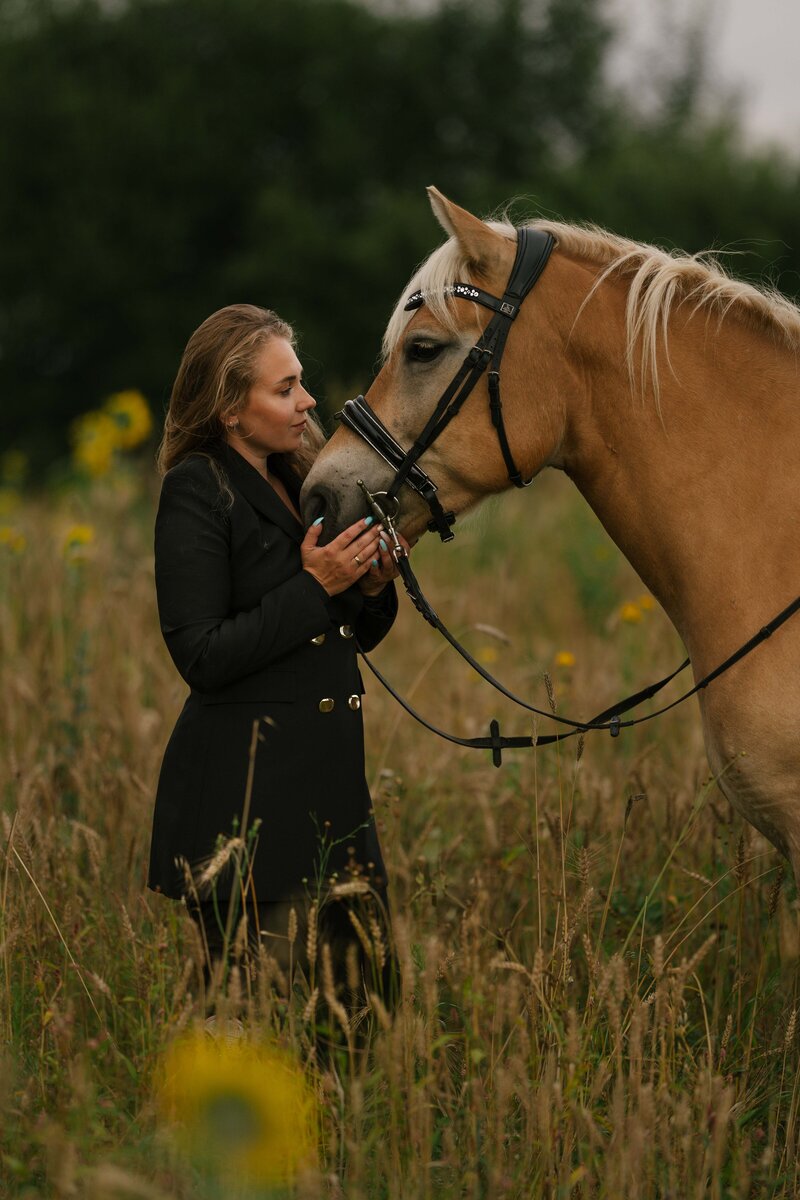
{"x": 755, "y": 46}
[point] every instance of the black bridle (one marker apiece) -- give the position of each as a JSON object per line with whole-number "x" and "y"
{"x": 533, "y": 251}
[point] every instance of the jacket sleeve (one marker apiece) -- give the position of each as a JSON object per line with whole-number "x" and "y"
{"x": 376, "y": 617}
{"x": 210, "y": 646}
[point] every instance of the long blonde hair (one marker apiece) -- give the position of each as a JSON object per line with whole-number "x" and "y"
{"x": 215, "y": 375}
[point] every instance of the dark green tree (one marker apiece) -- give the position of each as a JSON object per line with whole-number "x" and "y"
{"x": 162, "y": 158}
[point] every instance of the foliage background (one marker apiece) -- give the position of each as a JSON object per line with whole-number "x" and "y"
{"x": 599, "y": 958}
{"x": 162, "y": 158}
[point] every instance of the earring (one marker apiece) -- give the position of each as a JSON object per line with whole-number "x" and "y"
{"x": 233, "y": 424}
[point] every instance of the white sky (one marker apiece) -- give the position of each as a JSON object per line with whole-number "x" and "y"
{"x": 754, "y": 46}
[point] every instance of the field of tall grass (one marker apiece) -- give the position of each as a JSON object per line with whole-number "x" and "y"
{"x": 598, "y": 958}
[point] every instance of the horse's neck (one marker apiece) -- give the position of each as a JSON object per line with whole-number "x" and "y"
{"x": 703, "y": 497}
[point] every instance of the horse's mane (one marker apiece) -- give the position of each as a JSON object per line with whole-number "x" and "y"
{"x": 658, "y": 279}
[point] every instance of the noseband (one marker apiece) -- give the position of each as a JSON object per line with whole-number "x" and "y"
{"x": 533, "y": 250}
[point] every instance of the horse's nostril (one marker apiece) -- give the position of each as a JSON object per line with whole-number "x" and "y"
{"x": 320, "y": 502}
{"x": 315, "y": 507}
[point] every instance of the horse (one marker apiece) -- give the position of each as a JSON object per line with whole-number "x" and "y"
{"x": 667, "y": 392}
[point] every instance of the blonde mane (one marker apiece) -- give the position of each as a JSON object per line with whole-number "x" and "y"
{"x": 658, "y": 280}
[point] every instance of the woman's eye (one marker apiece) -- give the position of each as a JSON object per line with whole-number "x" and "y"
{"x": 424, "y": 351}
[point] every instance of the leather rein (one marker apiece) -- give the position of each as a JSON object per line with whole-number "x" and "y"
{"x": 533, "y": 251}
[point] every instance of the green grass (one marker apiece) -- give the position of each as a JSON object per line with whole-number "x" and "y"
{"x": 598, "y": 957}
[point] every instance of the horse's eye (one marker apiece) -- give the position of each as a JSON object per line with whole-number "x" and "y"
{"x": 424, "y": 351}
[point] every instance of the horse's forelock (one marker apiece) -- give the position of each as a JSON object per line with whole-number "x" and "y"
{"x": 444, "y": 267}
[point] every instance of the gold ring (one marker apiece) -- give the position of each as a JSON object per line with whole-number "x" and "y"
{"x": 357, "y": 559}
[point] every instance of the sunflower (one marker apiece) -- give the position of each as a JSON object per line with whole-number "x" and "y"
{"x": 238, "y": 1107}
{"x": 131, "y": 415}
{"x": 77, "y": 539}
{"x": 630, "y": 613}
{"x": 94, "y": 440}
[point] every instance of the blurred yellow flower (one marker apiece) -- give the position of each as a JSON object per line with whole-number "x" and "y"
{"x": 94, "y": 440}
{"x": 646, "y": 602}
{"x": 631, "y": 613}
{"x": 12, "y": 539}
{"x": 131, "y": 415}
{"x": 13, "y": 467}
{"x": 564, "y": 658}
{"x": 76, "y": 539}
{"x": 238, "y": 1107}
{"x": 487, "y": 655}
{"x": 10, "y": 501}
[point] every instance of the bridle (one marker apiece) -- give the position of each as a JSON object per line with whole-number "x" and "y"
{"x": 533, "y": 250}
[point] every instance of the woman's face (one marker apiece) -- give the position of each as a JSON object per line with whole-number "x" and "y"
{"x": 274, "y": 415}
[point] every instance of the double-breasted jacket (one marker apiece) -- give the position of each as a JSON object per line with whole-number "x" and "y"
{"x": 257, "y": 638}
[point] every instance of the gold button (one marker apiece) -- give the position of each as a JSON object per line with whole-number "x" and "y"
{"x": 326, "y": 705}
{"x": 346, "y": 631}
{"x": 318, "y": 640}
{"x": 354, "y": 702}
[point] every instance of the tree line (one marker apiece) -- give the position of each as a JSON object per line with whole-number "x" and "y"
{"x": 162, "y": 158}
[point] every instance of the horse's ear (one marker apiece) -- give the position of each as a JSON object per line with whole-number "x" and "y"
{"x": 481, "y": 245}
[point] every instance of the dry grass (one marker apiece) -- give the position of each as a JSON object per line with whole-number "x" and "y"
{"x": 598, "y": 961}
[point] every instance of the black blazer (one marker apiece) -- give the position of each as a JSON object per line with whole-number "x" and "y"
{"x": 255, "y": 636}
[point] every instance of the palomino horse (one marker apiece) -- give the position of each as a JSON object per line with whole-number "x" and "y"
{"x": 669, "y": 394}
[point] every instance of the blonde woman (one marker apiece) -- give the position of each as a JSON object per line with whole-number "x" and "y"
{"x": 261, "y": 621}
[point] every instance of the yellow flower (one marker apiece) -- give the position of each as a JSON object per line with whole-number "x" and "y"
{"x": 487, "y": 655}
{"x": 10, "y": 501}
{"x": 646, "y": 602}
{"x": 565, "y": 658}
{"x": 94, "y": 439}
{"x": 131, "y": 415}
{"x": 238, "y": 1107}
{"x": 13, "y": 467}
{"x": 13, "y": 539}
{"x": 76, "y": 539}
{"x": 631, "y": 613}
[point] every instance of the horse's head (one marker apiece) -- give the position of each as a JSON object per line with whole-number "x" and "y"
{"x": 424, "y": 348}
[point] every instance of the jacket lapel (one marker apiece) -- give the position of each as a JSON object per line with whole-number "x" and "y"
{"x": 259, "y": 493}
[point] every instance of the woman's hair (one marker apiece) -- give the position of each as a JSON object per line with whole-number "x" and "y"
{"x": 215, "y": 375}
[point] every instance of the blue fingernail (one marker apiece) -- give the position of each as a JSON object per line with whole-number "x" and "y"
{"x": 368, "y": 520}
{"x": 318, "y": 521}
{"x": 383, "y": 545}
{"x": 374, "y": 562}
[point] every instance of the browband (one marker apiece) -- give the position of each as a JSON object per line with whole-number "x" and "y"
{"x": 467, "y": 291}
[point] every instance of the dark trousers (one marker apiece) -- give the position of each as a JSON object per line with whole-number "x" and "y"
{"x": 342, "y": 945}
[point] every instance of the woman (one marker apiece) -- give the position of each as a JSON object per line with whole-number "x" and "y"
{"x": 261, "y": 622}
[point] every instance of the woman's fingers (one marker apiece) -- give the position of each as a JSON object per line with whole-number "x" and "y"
{"x": 352, "y": 533}
{"x": 312, "y": 535}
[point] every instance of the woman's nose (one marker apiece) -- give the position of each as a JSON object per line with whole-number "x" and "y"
{"x": 307, "y": 401}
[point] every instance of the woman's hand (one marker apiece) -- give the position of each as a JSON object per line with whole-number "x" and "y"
{"x": 346, "y": 559}
{"x": 376, "y": 579}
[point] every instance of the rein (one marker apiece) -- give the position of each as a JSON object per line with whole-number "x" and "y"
{"x": 609, "y": 719}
